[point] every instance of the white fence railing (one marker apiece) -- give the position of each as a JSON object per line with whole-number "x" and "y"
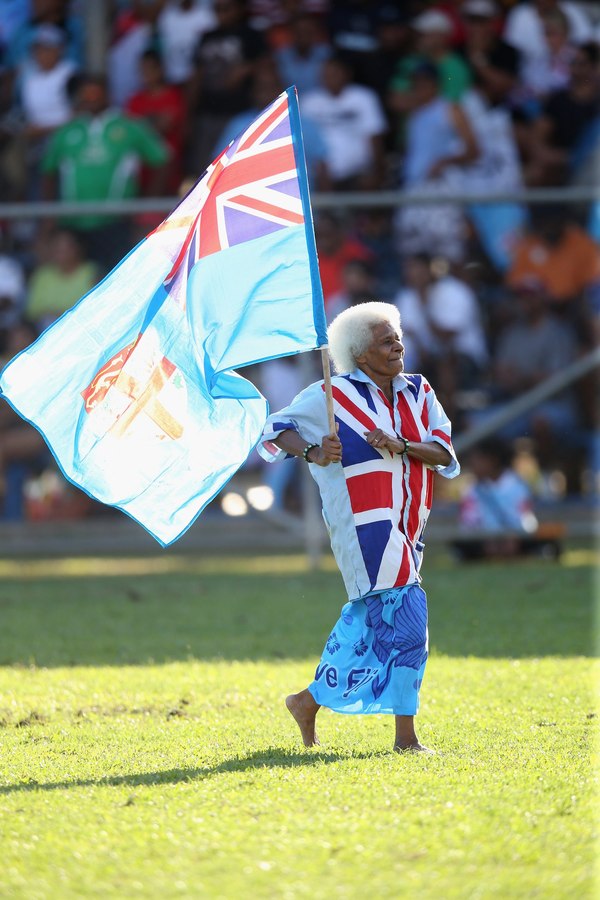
{"x": 351, "y": 200}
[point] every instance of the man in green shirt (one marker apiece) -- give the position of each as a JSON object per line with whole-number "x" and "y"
{"x": 434, "y": 33}
{"x": 96, "y": 157}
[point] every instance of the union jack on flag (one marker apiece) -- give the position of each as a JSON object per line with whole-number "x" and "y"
{"x": 251, "y": 190}
{"x": 135, "y": 388}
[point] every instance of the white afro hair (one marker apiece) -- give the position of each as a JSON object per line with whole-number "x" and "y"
{"x": 351, "y": 332}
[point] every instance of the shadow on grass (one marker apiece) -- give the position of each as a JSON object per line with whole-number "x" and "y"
{"x": 269, "y": 758}
{"x": 530, "y": 610}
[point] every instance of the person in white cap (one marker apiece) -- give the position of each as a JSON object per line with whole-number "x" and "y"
{"x": 42, "y": 82}
{"x": 434, "y": 35}
{"x": 41, "y": 105}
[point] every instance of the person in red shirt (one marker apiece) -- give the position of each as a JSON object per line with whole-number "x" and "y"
{"x": 162, "y": 105}
{"x": 336, "y": 248}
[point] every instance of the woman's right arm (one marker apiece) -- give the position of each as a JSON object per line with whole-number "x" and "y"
{"x": 330, "y": 449}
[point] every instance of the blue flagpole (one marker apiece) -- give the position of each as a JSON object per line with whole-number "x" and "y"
{"x": 317, "y": 289}
{"x": 315, "y": 277}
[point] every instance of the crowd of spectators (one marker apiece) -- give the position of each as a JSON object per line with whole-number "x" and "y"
{"x": 465, "y": 97}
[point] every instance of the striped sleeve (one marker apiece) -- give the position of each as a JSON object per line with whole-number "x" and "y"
{"x": 440, "y": 430}
{"x": 306, "y": 414}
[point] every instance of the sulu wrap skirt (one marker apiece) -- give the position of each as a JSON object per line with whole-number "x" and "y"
{"x": 375, "y": 656}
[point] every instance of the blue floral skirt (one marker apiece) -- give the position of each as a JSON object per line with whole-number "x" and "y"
{"x": 374, "y": 658}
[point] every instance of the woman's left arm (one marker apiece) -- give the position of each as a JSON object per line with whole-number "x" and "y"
{"x": 430, "y": 452}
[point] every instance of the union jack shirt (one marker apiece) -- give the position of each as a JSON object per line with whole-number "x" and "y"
{"x": 376, "y": 504}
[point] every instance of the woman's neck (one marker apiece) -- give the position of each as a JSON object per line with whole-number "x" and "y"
{"x": 388, "y": 391}
{"x": 384, "y": 383}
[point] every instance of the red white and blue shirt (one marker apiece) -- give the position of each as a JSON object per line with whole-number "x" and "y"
{"x": 376, "y": 504}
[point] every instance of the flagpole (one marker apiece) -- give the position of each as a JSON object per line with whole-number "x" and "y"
{"x": 328, "y": 391}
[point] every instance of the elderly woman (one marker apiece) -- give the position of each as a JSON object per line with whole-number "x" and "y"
{"x": 375, "y": 478}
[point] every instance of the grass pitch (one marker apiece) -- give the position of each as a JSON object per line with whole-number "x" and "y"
{"x": 146, "y": 751}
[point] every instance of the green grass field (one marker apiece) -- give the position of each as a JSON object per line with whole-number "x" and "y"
{"x": 146, "y": 751}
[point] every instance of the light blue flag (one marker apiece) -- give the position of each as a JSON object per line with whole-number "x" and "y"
{"x": 134, "y": 389}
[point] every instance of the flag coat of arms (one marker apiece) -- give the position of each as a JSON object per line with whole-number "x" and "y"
{"x": 135, "y": 389}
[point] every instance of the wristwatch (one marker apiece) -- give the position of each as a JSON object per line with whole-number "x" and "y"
{"x": 406, "y": 445}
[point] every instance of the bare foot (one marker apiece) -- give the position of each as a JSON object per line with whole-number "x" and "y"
{"x": 414, "y": 748}
{"x": 304, "y": 710}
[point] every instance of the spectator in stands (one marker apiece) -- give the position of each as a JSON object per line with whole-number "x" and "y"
{"x": 57, "y": 285}
{"x": 358, "y": 286}
{"x": 267, "y": 14}
{"x": 266, "y": 87}
{"x": 434, "y": 38}
{"x": 552, "y": 72}
{"x": 442, "y": 327}
{"x": 42, "y": 83}
{"x": 438, "y": 133}
{"x": 43, "y": 102}
{"x": 559, "y": 254}
{"x": 180, "y": 26}
{"x": 497, "y": 499}
{"x": 275, "y": 18}
{"x": 537, "y": 345}
{"x": 374, "y": 228}
{"x": 301, "y": 61}
{"x": 494, "y": 63}
{"x": 439, "y": 142}
{"x": 497, "y": 168}
{"x": 524, "y": 30}
{"x": 394, "y": 42}
{"x": 225, "y": 61}
{"x": 15, "y": 14}
{"x": 163, "y": 107}
{"x": 353, "y": 124}
{"x": 412, "y": 301}
{"x": 131, "y": 35}
{"x": 12, "y": 296}
{"x": 336, "y": 248}
{"x": 58, "y": 13}
{"x": 568, "y": 114}
{"x": 21, "y": 446}
{"x": 372, "y": 37}
{"x": 353, "y": 29}
{"x": 101, "y": 150}
{"x": 496, "y": 508}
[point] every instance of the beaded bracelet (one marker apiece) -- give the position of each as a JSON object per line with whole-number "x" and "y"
{"x": 307, "y": 450}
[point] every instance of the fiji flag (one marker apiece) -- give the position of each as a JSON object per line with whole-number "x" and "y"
{"x": 135, "y": 388}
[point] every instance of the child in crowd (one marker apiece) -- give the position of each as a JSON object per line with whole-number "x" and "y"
{"x": 497, "y": 499}
{"x": 496, "y": 511}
